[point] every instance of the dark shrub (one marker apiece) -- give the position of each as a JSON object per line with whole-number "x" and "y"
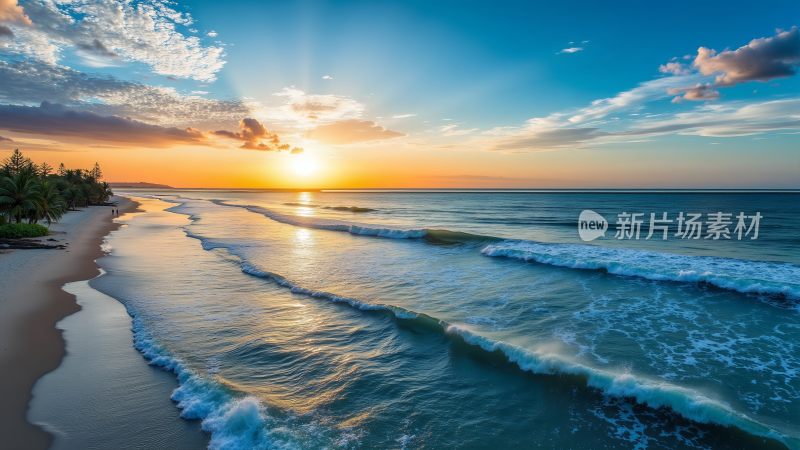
{"x": 22, "y": 230}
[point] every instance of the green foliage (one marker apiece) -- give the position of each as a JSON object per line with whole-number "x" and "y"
{"x": 30, "y": 192}
{"x": 19, "y": 195}
{"x": 22, "y": 230}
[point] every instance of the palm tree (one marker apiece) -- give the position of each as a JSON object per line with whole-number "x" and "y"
{"x": 30, "y": 191}
{"x": 51, "y": 205}
{"x": 19, "y": 195}
{"x": 71, "y": 195}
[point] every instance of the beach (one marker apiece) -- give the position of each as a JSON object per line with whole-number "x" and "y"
{"x": 33, "y": 302}
{"x": 390, "y": 320}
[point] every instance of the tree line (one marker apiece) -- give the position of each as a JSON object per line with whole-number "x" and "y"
{"x": 33, "y": 192}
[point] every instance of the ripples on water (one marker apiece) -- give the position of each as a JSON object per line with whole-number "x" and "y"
{"x": 339, "y": 320}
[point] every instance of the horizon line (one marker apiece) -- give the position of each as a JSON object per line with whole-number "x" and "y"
{"x": 475, "y": 189}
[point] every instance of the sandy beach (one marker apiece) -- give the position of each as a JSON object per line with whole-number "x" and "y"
{"x": 33, "y": 302}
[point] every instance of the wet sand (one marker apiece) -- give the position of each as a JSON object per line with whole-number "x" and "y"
{"x": 32, "y": 302}
{"x": 104, "y": 395}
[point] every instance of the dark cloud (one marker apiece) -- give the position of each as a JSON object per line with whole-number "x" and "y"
{"x": 255, "y": 136}
{"x": 696, "y": 93}
{"x": 5, "y": 32}
{"x": 760, "y": 60}
{"x": 31, "y": 81}
{"x": 97, "y": 48}
{"x": 58, "y": 120}
{"x": 351, "y": 131}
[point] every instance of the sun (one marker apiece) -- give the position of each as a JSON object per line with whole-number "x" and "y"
{"x": 303, "y": 165}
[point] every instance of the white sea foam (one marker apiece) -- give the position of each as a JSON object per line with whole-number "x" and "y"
{"x": 233, "y": 422}
{"x": 653, "y": 393}
{"x": 749, "y": 277}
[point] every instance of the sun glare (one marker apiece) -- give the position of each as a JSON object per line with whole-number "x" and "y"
{"x": 303, "y": 165}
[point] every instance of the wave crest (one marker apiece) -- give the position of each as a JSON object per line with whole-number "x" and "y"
{"x": 653, "y": 393}
{"x": 748, "y": 277}
{"x": 233, "y": 423}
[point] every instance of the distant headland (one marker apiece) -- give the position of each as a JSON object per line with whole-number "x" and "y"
{"x": 140, "y": 184}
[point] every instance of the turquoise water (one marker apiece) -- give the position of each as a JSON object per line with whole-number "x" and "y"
{"x": 473, "y": 320}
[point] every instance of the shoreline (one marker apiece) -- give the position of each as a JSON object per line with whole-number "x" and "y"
{"x": 33, "y": 302}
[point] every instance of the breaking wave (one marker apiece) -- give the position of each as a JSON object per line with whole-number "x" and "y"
{"x": 772, "y": 279}
{"x": 748, "y": 277}
{"x": 361, "y": 229}
{"x": 233, "y": 422}
{"x": 354, "y": 209}
{"x": 653, "y": 393}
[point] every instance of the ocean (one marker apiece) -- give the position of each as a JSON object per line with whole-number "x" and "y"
{"x": 467, "y": 319}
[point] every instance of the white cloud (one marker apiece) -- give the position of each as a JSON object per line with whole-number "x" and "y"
{"x": 212, "y": 34}
{"x": 455, "y": 129}
{"x": 304, "y": 110}
{"x": 644, "y": 92}
{"x": 350, "y": 132}
{"x": 143, "y": 32}
{"x": 674, "y": 68}
{"x": 327, "y": 77}
{"x": 570, "y": 50}
{"x": 737, "y": 119}
{"x": 403, "y": 116}
{"x": 32, "y": 82}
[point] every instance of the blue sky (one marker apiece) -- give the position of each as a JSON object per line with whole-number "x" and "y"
{"x": 480, "y": 86}
{"x": 498, "y": 62}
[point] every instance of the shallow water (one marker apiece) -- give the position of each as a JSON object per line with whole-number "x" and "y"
{"x": 341, "y": 319}
{"x": 102, "y": 396}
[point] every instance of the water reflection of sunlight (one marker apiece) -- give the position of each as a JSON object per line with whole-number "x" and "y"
{"x": 303, "y": 236}
{"x": 304, "y": 197}
{"x": 305, "y": 207}
{"x": 305, "y": 211}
